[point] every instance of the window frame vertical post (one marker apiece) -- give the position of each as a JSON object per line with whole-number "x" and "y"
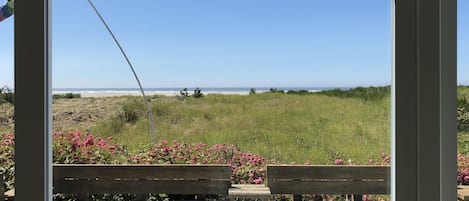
{"x": 424, "y": 100}
{"x": 33, "y": 156}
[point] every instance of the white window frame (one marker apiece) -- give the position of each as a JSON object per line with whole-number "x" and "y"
{"x": 423, "y": 98}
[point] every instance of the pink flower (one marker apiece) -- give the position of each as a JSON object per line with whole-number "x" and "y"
{"x": 258, "y": 180}
{"x": 465, "y": 172}
{"x": 102, "y": 143}
{"x": 466, "y": 178}
{"x": 339, "y": 161}
{"x": 88, "y": 141}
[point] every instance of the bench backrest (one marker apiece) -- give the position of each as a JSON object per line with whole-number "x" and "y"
{"x": 297, "y": 179}
{"x": 142, "y": 179}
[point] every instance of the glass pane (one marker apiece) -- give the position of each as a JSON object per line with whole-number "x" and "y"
{"x": 242, "y": 83}
{"x": 463, "y": 93}
{"x": 7, "y": 124}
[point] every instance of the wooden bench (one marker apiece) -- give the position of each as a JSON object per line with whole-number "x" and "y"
{"x": 341, "y": 180}
{"x": 142, "y": 179}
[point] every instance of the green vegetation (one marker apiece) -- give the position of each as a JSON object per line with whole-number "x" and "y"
{"x": 252, "y": 91}
{"x": 463, "y": 109}
{"x": 6, "y": 95}
{"x": 318, "y": 127}
{"x": 66, "y": 96}
{"x": 275, "y": 90}
{"x": 364, "y": 93}
{"x": 197, "y": 93}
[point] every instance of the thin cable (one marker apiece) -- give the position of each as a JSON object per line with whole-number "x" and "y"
{"x": 149, "y": 113}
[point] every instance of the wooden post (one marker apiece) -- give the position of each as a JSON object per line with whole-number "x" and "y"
{"x": 2, "y": 189}
{"x": 357, "y": 197}
{"x": 82, "y": 197}
{"x": 297, "y": 197}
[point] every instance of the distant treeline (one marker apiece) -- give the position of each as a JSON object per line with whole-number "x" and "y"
{"x": 365, "y": 93}
{"x": 66, "y": 96}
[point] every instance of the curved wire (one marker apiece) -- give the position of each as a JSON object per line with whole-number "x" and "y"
{"x": 149, "y": 113}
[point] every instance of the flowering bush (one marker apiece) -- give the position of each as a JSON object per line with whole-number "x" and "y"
{"x": 73, "y": 147}
{"x": 7, "y": 156}
{"x": 78, "y": 148}
{"x": 463, "y": 169}
{"x": 247, "y": 167}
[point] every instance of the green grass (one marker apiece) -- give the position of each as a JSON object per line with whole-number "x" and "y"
{"x": 284, "y": 127}
{"x": 463, "y": 91}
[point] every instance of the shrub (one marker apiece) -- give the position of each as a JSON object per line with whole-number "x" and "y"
{"x": 78, "y": 147}
{"x": 252, "y": 91}
{"x": 131, "y": 110}
{"x": 275, "y": 90}
{"x": 463, "y": 169}
{"x": 364, "y": 93}
{"x": 197, "y": 93}
{"x": 84, "y": 148}
{"x": 66, "y": 96}
{"x": 7, "y": 95}
{"x": 184, "y": 93}
{"x": 299, "y": 92}
{"x": 73, "y": 147}
{"x": 7, "y": 156}
{"x": 463, "y": 114}
{"x": 247, "y": 167}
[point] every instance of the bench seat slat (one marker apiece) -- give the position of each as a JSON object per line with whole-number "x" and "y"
{"x": 111, "y": 172}
{"x": 327, "y": 172}
{"x": 336, "y": 187}
{"x": 142, "y": 186}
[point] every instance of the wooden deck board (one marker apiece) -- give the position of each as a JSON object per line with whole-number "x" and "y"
{"x": 463, "y": 193}
{"x": 257, "y": 191}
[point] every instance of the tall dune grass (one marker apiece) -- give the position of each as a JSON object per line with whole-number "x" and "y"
{"x": 283, "y": 127}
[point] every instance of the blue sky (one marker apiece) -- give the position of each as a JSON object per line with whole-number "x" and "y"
{"x": 223, "y": 43}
